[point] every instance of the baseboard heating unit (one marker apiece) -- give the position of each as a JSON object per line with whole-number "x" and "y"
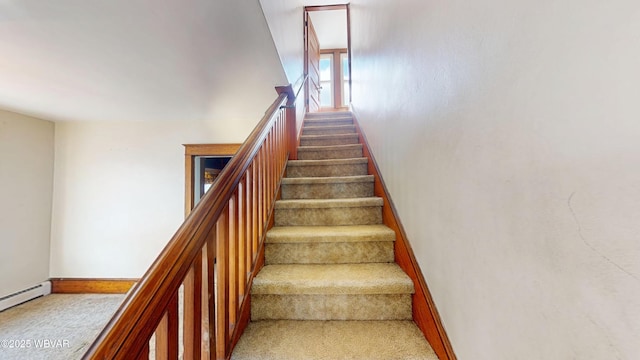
{"x": 25, "y": 295}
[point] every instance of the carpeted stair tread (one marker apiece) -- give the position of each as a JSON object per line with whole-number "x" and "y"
{"x": 327, "y": 114}
{"x": 373, "y": 278}
{"x": 330, "y": 234}
{"x": 338, "y": 187}
{"x": 333, "y": 340}
{"x": 348, "y": 151}
{"x": 328, "y": 203}
{"x": 329, "y": 147}
{"x": 336, "y": 139}
{"x": 328, "y": 180}
{"x": 346, "y": 244}
{"x": 325, "y": 121}
{"x": 333, "y": 129}
{"x": 328, "y": 162}
{"x": 326, "y": 168}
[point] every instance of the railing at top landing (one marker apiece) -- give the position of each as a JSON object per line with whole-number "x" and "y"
{"x": 200, "y": 282}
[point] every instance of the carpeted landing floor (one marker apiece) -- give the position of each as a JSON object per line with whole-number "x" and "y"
{"x": 324, "y": 340}
{"x": 56, "y": 326}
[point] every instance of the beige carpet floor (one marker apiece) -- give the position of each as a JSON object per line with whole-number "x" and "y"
{"x": 333, "y": 340}
{"x": 56, "y": 326}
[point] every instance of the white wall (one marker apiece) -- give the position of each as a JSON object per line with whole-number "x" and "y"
{"x": 26, "y": 175}
{"x": 507, "y": 133}
{"x": 285, "y": 21}
{"x": 119, "y": 192}
{"x": 119, "y": 161}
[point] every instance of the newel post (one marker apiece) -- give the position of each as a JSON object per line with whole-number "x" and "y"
{"x": 290, "y": 115}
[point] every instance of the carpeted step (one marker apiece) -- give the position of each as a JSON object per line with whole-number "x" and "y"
{"x": 324, "y": 340}
{"x": 330, "y": 152}
{"x": 327, "y": 114}
{"x": 324, "y": 168}
{"x": 338, "y": 187}
{"x": 328, "y": 121}
{"x": 329, "y": 130}
{"x": 376, "y": 291}
{"x": 327, "y": 140}
{"x": 310, "y": 212}
{"x": 329, "y": 244}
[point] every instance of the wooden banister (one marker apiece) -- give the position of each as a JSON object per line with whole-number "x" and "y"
{"x": 209, "y": 264}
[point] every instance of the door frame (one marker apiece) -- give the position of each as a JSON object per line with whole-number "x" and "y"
{"x": 191, "y": 151}
{"x": 306, "y": 11}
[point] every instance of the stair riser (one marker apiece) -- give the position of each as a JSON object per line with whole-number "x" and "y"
{"x": 327, "y": 191}
{"x": 326, "y": 170}
{"x": 329, "y": 253}
{"x": 328, "y": 122}
{"x": 328, "y": 131}
{"x": 364, "y": 215}
{"x": 304, "y": 154}
{"x": 329, "y": 141}
{"x": 331, "y": 307}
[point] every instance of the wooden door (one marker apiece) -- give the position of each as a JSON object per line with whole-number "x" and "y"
{"x": 312, "y": 66}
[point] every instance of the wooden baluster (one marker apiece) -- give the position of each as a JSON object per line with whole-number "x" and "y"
{"x": 249, "y": 220}
{"x": 192, "y": 334}
{"x": 271, "y": 169}
{"x": 264, "y": 187}
{"x": 276, "y": 147}
{"x": 284, "y": 139}
{"x": 280, "y": 140}
{"x": 247, "y": 217}
{"x": 222, "y": 285}
{"x": 144, "y": 354}
{"x": 205, "y": 331}
{"x": 260, "y": 191}
{"x": 274, "y": 154}
{"x": 212, "y": 294}
{"x": 167, "y": 332}
{"x": 254, "y": 210}
{"x": 233, "y": 263}
{"x": 242, "y": 248}
{"x": 267, "y": 178}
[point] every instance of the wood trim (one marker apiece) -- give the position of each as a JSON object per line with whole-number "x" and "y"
{"x": 211, "y": 149}
{"x": 330, "y": 51}
{"x": 91, "y": 286}
{"x": 325, "y": 7}
{"x": 193, "y": 150}
{"x": 425, "y": 313}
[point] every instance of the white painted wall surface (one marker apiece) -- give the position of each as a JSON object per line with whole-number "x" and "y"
{"x": 508, "y": 135}
{"x": 285, "y": 21}
{"x": 186, "y": 72}
{"x": 26, "y": 176}
{"x": 119, "y": 192}
{"x": 118, "y": 60}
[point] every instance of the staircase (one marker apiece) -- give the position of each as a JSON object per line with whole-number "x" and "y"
{"x": 329, "y": 288}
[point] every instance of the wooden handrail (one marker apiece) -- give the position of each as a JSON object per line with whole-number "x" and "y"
{"x": 214, "y": 254}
